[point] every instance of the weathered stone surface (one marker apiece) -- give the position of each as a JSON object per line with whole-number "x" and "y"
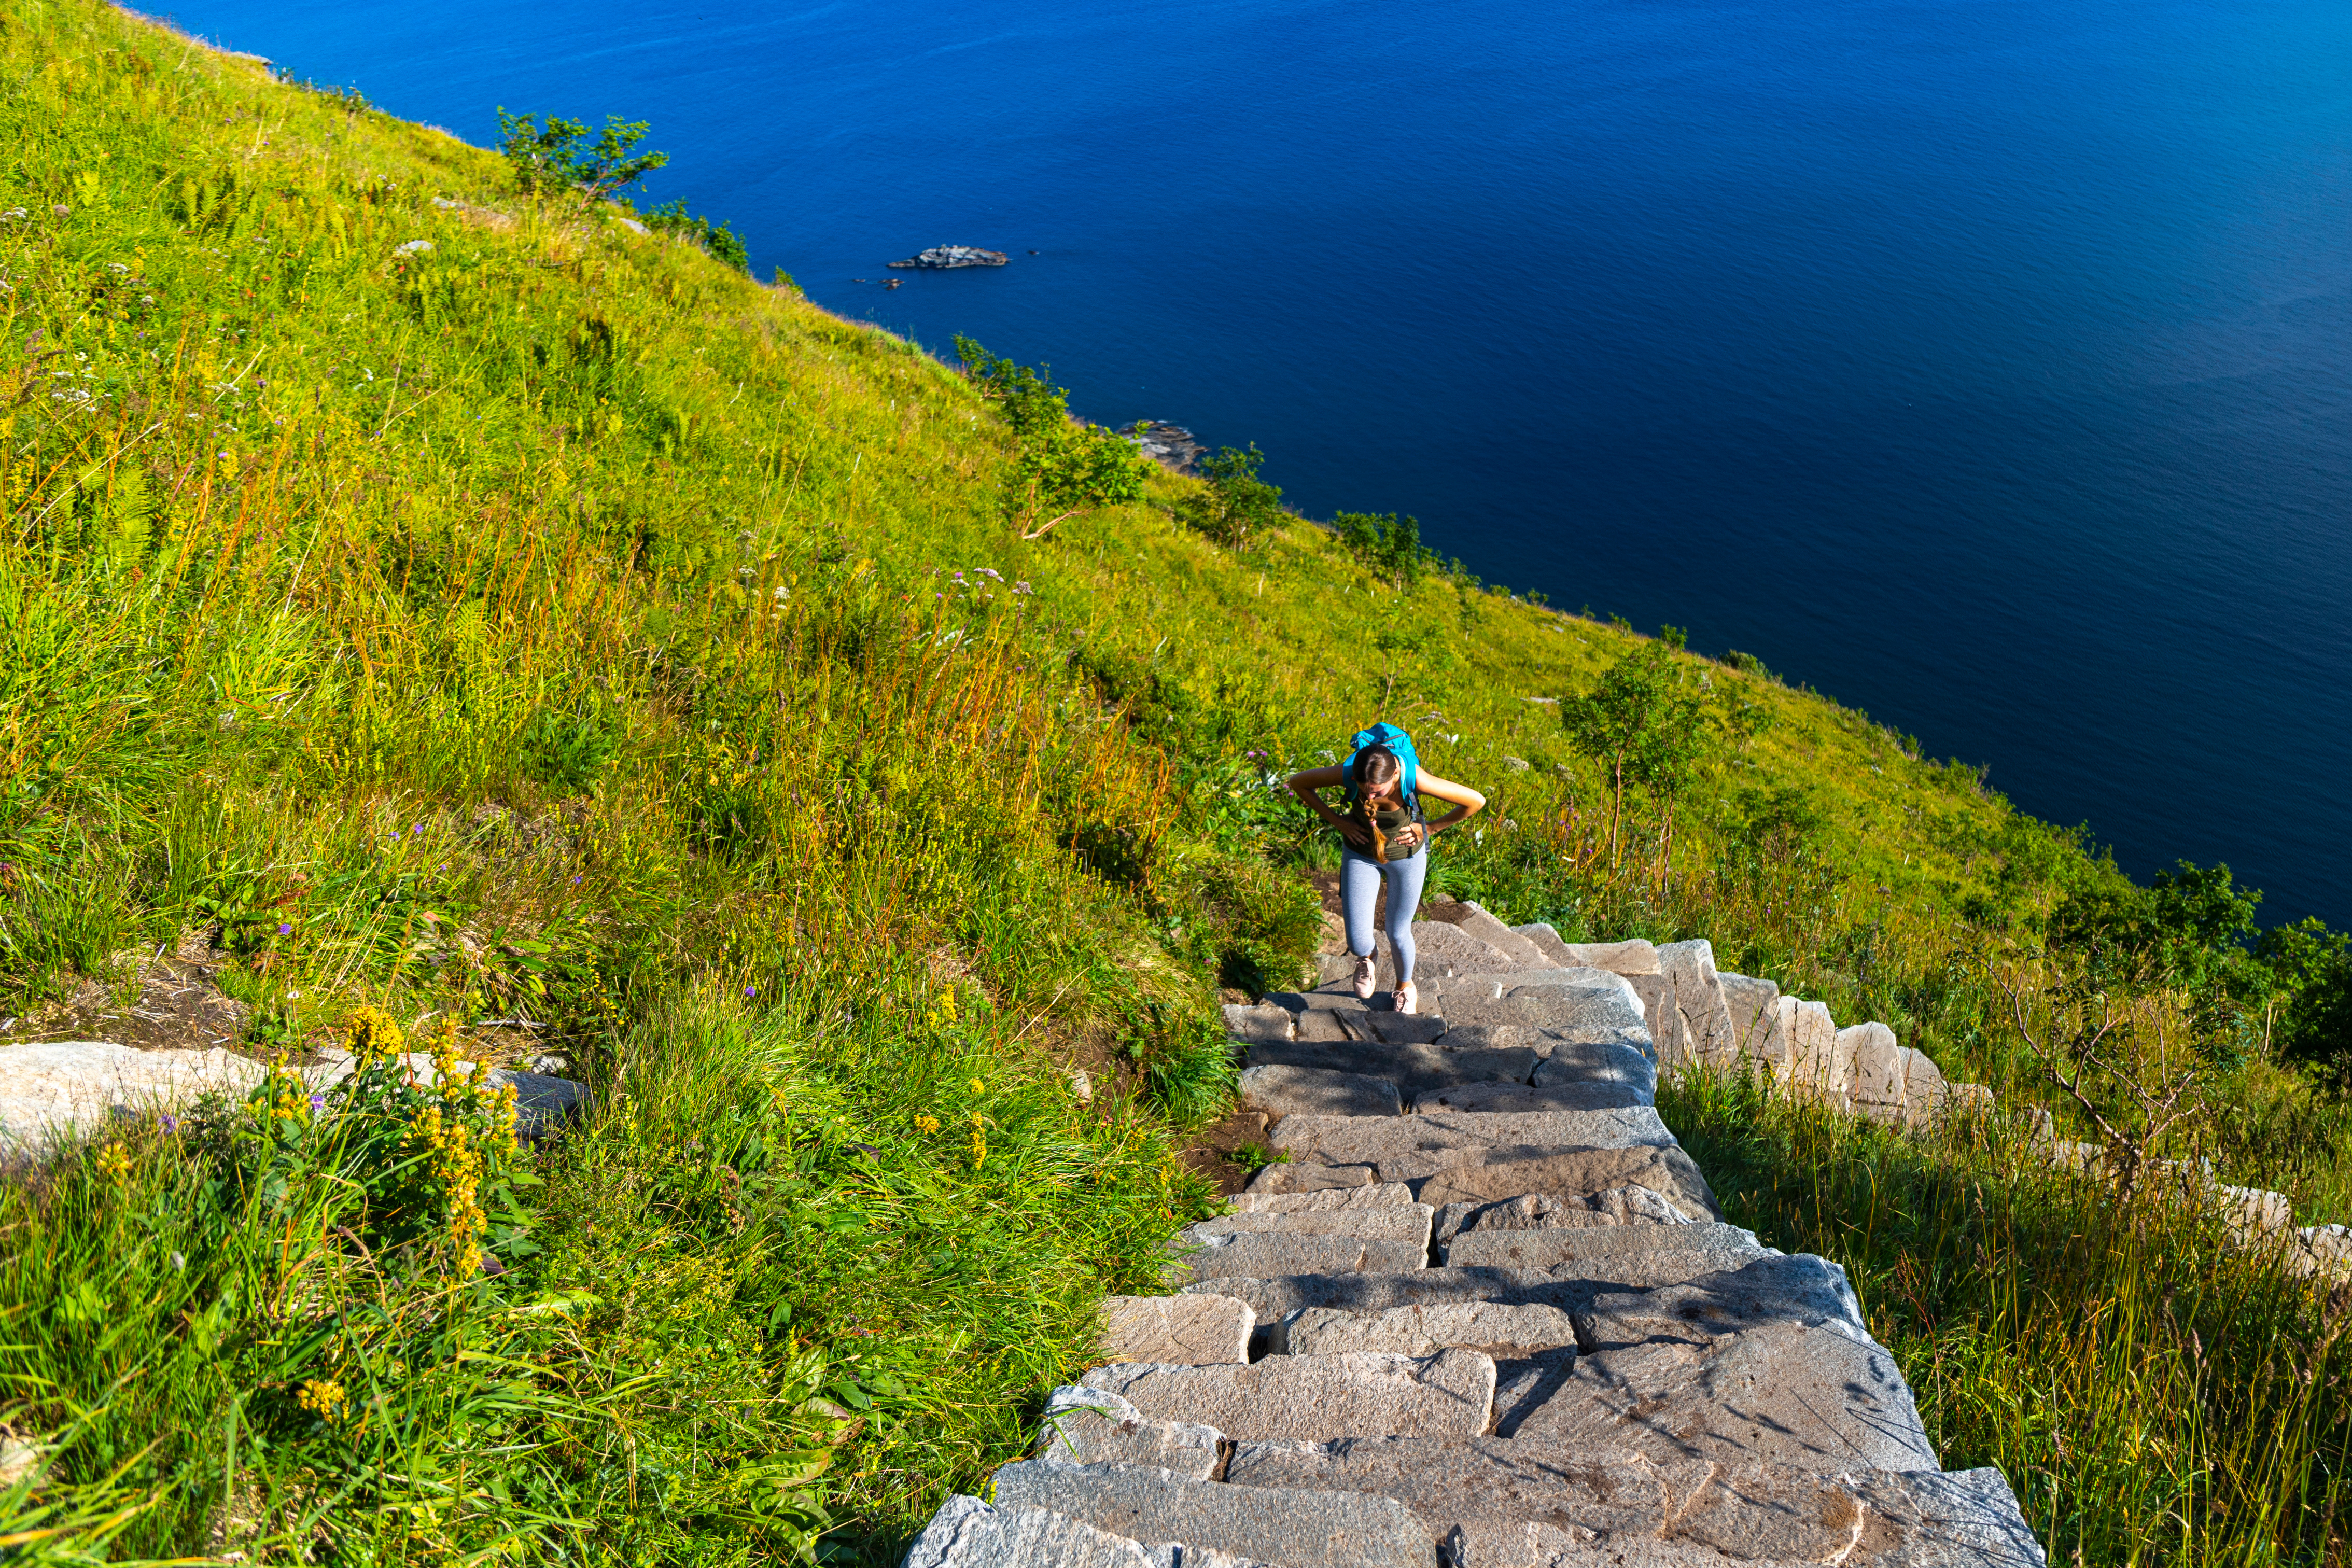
{"x": 1626, "y": 958}
{"x": 1548, "y": 1211}
{"x": 1388, "y": 1222}
{"x": 1663, "y": 1018}
{"x": 1782, "y": 1392}
{"x": 1200, "y": 1329}
{"x": 1925, "y": 1089}
{"x": 2253, "y": 1212}
{"x": 1877, "y": 1075}
{"x": 1323, "y": 1026}
{"x": 1967, "y": 1100}
{"x": 1394, "y": 1028}
{"x": 1294, "y": 1529}
{"x": 1286, "y": 1178}
{"x": 1497, "y": 1330}
{"x": 1711, "y": 1248}
{"x": 1254, "y": 1025}
{"x": 1282, "y": 1091}
{"x": 1694, "y": 1512}
{"x": 1596, "y": 1061}
{"x": 1347, "y": 1140}
{"x": 1754, "y": 1009}
{"x": 1415, "y": 1069}
{"x": 1698, "y": 997}
{"x": 1387, "y": 1194}
{"x": 1441, "y": 948}
{"x": 55, "y": 1087}
{"x": 1315, "y": 1399}
{"x": 1478, "y": 923}
{"x": 1816, "y": 1065}
{"x": 967, "y": 1534}
{"x": 1219, "y": 1255}
{"x": 1552, "y": 1007}
{"x": 1499, "y": 1173}
{"x": 1271, "y": 1298}
{"x": 1547, "y": 942}
{"x": 1776, "y": 1288}
{"x": 1557, "y": 1096}
{"x": 1095, "y": 1426}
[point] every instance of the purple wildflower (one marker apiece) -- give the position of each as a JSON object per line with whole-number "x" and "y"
{"x": 750, "y": 991}
{"x": 284, "y": 929}
{"x": 167, "y": 1122}
{"x": 318, "y": 1103}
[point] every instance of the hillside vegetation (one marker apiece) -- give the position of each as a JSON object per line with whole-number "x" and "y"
{"x": 497, "y": 626}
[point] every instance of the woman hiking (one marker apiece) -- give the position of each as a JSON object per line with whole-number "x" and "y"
{"x": 1387, "y": 840}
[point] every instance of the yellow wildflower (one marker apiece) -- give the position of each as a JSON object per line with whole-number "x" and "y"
{"x": 114, "y": 1161}
{"x": 323, "y": 1397}
{"x": 369, "y": 1033}
{"x": 927, "y": 1124}
{"x": 979, "y": 1148}
{"x": 978, "y": 1087}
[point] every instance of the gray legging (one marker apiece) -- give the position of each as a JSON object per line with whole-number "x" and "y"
{"x": 1360, "y": 889}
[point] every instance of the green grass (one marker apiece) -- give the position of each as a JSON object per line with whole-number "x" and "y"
{"x": 555, "y": 622}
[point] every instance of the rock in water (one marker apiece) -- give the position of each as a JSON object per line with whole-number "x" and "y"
{"x": 941, "y": 256}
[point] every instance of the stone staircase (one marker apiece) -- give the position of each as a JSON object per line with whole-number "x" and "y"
{"x": 1483, "y": 1311}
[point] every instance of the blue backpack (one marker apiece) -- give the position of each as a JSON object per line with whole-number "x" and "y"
{"x": 1398, "y": 743}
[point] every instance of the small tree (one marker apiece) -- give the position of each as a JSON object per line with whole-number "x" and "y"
{"x": 1237, "y": 503}
{"x": 1389, "y": 545}
{"x": 716, "y": 238}
{"x": 557, "y": 156}
{"x": 1061, "y": 465}
{"x": 1639, "y": 724}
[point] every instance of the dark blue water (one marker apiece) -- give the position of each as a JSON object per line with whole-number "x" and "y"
{"x": 1986, "y": 363}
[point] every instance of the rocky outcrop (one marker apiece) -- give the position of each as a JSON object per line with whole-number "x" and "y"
{"x": 945, "y": 256}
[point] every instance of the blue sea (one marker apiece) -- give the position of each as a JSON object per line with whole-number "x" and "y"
{"x": 1986, "y": 365}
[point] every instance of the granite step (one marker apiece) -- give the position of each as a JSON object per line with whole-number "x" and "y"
{"x": 1281, "y": 1090}
{"x": 1199, "y": 1330}
{"x": 1413, "y": 1140}
{"x": 1318, "y": 1528}
{"x": 1547, "y": 1211}
{"x": 1518, "y": 1097}
{"x": 1095, "y": 1426}
{"x": 1407, "y": 1223}
{"x": 1784, "y": 1393}
{"x": 1415, "y": 1069}
{"x": 1391, "y": 1195}
{"x": 1468, "y": 1491}
{"x": 1712, "y": 1249}
{"x": 1207, "y": 1256}
{"x": 1501, "y": 1331}
{"x": 967, "y": 1534}
{"x": 1315, "y": 1398}
{"x": 1486, "y": 1174}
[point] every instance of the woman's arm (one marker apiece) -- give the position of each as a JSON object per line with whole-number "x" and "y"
{"x": 1309, "y": 787}
{"x": 1466, "y": 802}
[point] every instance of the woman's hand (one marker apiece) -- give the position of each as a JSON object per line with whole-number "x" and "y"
{"x": 1408, "y": 839}
{"x": 1354, "y": 830}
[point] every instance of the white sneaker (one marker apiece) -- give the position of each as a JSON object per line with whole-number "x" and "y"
{"x": 1366, "y": 969}
{"x": 1407, "y": 999}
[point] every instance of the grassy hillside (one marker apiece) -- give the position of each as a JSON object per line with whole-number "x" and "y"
{"x": 470, "y": 609}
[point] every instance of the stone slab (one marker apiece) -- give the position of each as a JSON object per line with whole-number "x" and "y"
{"x": 1697, "y": 1512}
{"x": 1391, "y": 1028}
{"x": 1469, "y": 916}
{"x": 1698, "y": 997}
{"x": 1627, "y": 958}
{"x": 1754, "y": 1006}
{"x": 1711, "y": 1248}
{"x": 1792, "y": 1288}
{"x": 1782, "y": 1392}
{"x": 1817, "y": 1067}
{"x": 1387, "y": 1194}
{"x": 49, "y": 1089}
{"x": 1489, "y": 1173}
{"x": 1547, "y": 1211}
{"x": 1217, "y": 1255}
{"x": 1607, "y": 1061}
{"x": 1263, "y": 1524}
{"x": 1547, "y": 942}
{"x": 1557, "y": 1096}
{"x": 1877, "y": 1075}
{"x": 1415, "y": 1069}
{"x": 1500, "y": 1331}
{"x": 1095, "y": 1426}
{"x": 1273, "y": 1297}
{"x": 1283, "y": 1090}
{"x": 1348, "y": 1141}
{"x": 1200, "y": 1329}
{"x": 967, "y": 1534}
{"x": 1286, "y": 1178}
{"x": 1552, "y": 1008}
{"x": 1388, "y": 1222}
{"x": 1315, "y": 1399}
{"x": 1263, "y": 1022}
